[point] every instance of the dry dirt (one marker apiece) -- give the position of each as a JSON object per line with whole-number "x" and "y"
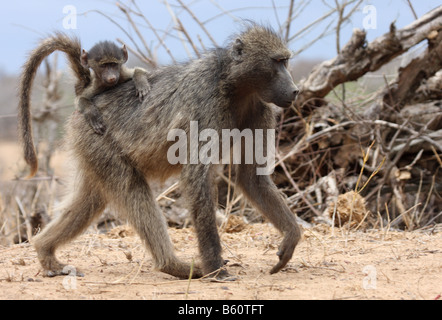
{"x": 327, "y": 265}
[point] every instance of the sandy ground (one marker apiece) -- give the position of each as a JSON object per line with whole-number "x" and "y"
{"x": 11, "y": 161}
{"x": 327, "y": 265}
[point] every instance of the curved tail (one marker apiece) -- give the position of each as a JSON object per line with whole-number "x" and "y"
{"x": 59, "y": 41}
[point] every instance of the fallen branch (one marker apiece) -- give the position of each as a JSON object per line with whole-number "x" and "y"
{"x": 411, "y": 77}
{"x": 357, "y": 57}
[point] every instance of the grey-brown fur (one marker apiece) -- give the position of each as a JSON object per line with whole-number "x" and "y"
{"x": 72, "y": 48}
{"x": 87, "y": 84}
{"x": 227, "y": 88}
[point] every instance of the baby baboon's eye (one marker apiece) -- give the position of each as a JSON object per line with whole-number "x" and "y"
{"x": 108, "y": 65}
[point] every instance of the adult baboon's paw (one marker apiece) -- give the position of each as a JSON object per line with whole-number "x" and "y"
{"x": 197, "y": 272}
{"x": 220, "y": 275}
{"x": 285, "y": 251}
{"x": 284, "y": 258}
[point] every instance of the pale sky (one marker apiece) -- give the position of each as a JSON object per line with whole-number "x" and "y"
{"x": 24, "y": 22}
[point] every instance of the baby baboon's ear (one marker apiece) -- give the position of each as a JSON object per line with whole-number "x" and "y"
{"x": 237, "y": 50}
{"x": 84, "y": 59}
{"x": 125, "y": 54}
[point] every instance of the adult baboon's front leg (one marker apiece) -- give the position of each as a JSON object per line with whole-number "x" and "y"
{"x": 198, "y": 186}
{"x": 263, "y": 195}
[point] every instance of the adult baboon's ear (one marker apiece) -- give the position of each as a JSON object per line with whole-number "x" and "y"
{"x": 237, "y": 50}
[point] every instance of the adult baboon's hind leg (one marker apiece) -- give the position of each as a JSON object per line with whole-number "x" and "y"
{"x": 134, "y": 197}
{"x": 84, "y": 205}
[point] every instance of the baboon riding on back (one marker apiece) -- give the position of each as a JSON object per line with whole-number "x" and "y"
{"x": 228, "y": 88}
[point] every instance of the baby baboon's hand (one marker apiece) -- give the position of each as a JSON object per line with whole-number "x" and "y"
{"x": 143, "y": 91}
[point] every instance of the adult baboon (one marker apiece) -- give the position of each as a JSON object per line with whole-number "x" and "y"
{"x": 228, "y": 88}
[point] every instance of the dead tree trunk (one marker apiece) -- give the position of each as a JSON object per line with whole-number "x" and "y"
{"x": 357, "y": 57}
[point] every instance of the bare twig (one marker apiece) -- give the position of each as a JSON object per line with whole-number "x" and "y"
{"x": 135, "y": 28}
{"x": 185, "y": 7}
{"x": 178, "y": 27}
{"x": 293, "y": 183}
{"x": 181, "y": 28}
{"x": 289, "y": 20}
{"x": 412, "y": 9}
{"x": 149, "y": 25}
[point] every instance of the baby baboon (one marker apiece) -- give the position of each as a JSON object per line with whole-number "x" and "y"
{"x": 107, "y": 63}
{"x": 227, "y": 88}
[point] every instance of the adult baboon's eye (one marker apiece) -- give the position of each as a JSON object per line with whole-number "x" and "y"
{"x": 281, "y": 61}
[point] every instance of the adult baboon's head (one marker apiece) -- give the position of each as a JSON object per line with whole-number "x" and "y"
{"x": 259, "y": 65}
